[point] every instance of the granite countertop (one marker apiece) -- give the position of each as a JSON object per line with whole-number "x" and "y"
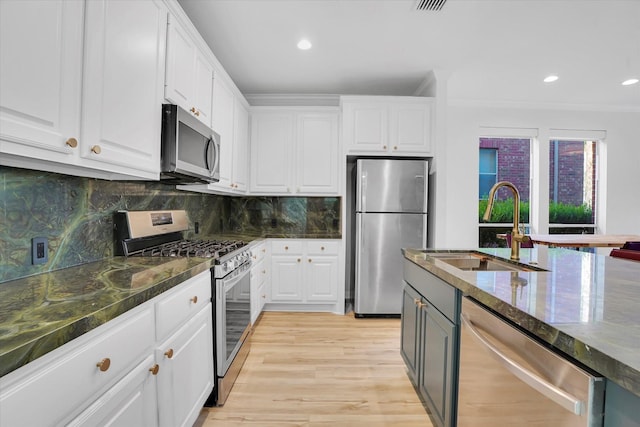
{"x": 585, "y": 305}
{"x": 42, "y": 312}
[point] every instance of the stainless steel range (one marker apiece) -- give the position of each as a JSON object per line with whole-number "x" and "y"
{"x": 160, "y": 233}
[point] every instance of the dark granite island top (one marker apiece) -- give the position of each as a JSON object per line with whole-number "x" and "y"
{"x": 586, "y": 305}
{"x": 42, "y": 312}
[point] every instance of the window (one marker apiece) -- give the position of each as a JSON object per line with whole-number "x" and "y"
{"x": 488, "y": 170}
{"x": 572, "y": 186}
{"x": 503, "y": 159}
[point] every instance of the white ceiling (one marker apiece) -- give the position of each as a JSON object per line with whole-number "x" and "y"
{"x": 488, "y": 50}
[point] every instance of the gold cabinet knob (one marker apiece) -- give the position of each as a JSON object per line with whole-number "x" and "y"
{"x": 264, "y": 250}
{"x": 72, "y": 142}
{"x": 286, "y": 248}
{"x": 395, "y": 147}
{"x": 96, "y": 149}
{"x": 264, "y": 271}
{"x": 384, "y": 147}
{"x": 194, "y": 299}
{"x": 104, "y": 364}
{"x": 154, "y": 369}
{"x": 255, "y": 257}
{"x": 197, "y": 113}
{"x": 309, "y": 260}
{"x": 299, "y": 260}
{"x": 416, "y": 301}
{"x": 264, "y": 295}
{"x": 322, "y": 248}
{"x": 169, "y": 353}
{"x": 193, "y": 110}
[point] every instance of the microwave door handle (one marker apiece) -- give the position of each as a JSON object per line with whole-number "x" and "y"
{"x": 216, "y": 154}
{"x": 206, "y": 154}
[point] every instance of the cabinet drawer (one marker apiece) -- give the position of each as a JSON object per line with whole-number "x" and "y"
{"x": 258, "y": 252}
{"x": 322, "y": 247}
{"x": 74, "y": 372}
{"x": 440, "y": 294}
{"x": 182, "y": 303}
{"x": 286, "y": 247}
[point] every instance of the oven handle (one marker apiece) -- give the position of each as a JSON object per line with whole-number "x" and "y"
{"x": 233, "y": 281}
{"x": 562, "y": 398}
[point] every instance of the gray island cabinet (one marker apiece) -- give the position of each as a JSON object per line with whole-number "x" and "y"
{"x": 582, "y": 305}
{"x": 430, "y": 340}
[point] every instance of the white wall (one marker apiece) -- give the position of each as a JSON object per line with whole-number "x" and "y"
{"x": 457, "y": 196}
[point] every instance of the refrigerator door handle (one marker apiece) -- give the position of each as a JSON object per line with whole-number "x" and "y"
{"x": 419, "y": 188}
{"x": 363, "y": 191}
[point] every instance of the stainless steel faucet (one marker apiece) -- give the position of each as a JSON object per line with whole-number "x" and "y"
{"x": 516, "y": 236}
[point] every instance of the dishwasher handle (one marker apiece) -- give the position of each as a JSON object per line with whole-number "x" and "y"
{"x": 559, "y": 396}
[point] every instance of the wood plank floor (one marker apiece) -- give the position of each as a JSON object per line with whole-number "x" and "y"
{"x": 320, "y": 369}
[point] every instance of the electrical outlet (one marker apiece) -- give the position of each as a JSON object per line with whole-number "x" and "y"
{"x": 39, "y": 250}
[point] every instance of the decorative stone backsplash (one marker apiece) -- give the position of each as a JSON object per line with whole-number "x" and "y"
{"x": 76, "y": 215}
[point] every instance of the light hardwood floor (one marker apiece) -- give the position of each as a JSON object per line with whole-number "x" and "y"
{"x": 319, "y": 369}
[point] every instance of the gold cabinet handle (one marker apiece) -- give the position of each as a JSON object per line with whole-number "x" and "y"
{"x": 154, "y": 369}
{"x": 169, "y": 353}
{"x": 193, "y": 110}
{"x": 72, "y": 142}
{"x": 197, "y": 113}
{"x": 194, "y": 299}
{"x": 104, "y": 364}
{"x": 96, "y": 149}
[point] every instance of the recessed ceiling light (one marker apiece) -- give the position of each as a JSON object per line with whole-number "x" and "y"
{"x": 304, "y": 44}
{"x": 630, "y": 82}
{"x": 551, "y": 78}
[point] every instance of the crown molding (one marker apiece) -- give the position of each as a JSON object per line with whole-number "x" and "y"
{"x": 292, "y": 100}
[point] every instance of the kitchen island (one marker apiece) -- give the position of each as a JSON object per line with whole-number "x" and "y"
{"x": 584, "y": 305}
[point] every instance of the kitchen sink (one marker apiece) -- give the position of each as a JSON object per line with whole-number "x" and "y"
{"x": 477, "y": 261}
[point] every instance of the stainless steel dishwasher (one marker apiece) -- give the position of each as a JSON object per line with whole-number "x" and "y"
{"x": 508, "y": 379}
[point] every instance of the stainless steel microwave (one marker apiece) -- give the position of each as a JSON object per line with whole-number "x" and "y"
{"x": 190, "y": 150}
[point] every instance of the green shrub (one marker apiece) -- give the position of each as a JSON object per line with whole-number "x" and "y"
{"x": 559, "y": 213}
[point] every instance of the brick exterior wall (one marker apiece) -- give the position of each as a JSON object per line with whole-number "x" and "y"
{"x": 513, "y": 164}
{"x": 570, "y": 172}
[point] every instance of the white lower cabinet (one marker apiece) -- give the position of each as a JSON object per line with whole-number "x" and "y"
{"x": 185, "y": 377}
{"x": 304, "y": 272}
{"x": 259, "y": 276}
{"x": 131, "y": 402}
{"x": 119, "y": 374}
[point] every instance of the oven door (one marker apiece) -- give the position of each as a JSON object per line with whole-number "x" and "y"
{"x": 233, "y": 315}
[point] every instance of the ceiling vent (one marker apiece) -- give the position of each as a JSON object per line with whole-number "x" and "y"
{"x": 434, "y": 5}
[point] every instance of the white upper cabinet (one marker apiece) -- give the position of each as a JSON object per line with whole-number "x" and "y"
{"x": 81, "y": 86}
{"x": 317, "y": 153}
{"x": 271, "y": 145}
{"x": 240, "y": 147}
{"x": 40, "y": 78}
{"x": 387, "y": 125}
{"x": 294, "y": 151}
{"x": 189, "y": 78}
{"x": 223, "y": 111}
{"x": 122, "y": 84}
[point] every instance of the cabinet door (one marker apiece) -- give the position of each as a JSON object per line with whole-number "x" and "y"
{"x": 131, "y": 402}
{"x": 122, "y": 85}
{"x": 40, "y": 78}
{"x": 186, "y": 375}
{"x": 223, "y": 110}
{"x": 366, "y": 127}
{"x": 271, "y": 142}
{"x": 240, "y": 147}
{"x": 286, "y": 278}
{"x": 321, "y": 279}
{"x": 410, "y": 128}
{"x": 317, "y": 159}
{"x": 203, "y": 91}
{"x": 435, "y": 372}
{"x": 181, "y": 72}
{"x": 410, "y": 338}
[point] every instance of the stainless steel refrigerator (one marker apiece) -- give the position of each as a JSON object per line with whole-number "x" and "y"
{"x": 391, "y": 213}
